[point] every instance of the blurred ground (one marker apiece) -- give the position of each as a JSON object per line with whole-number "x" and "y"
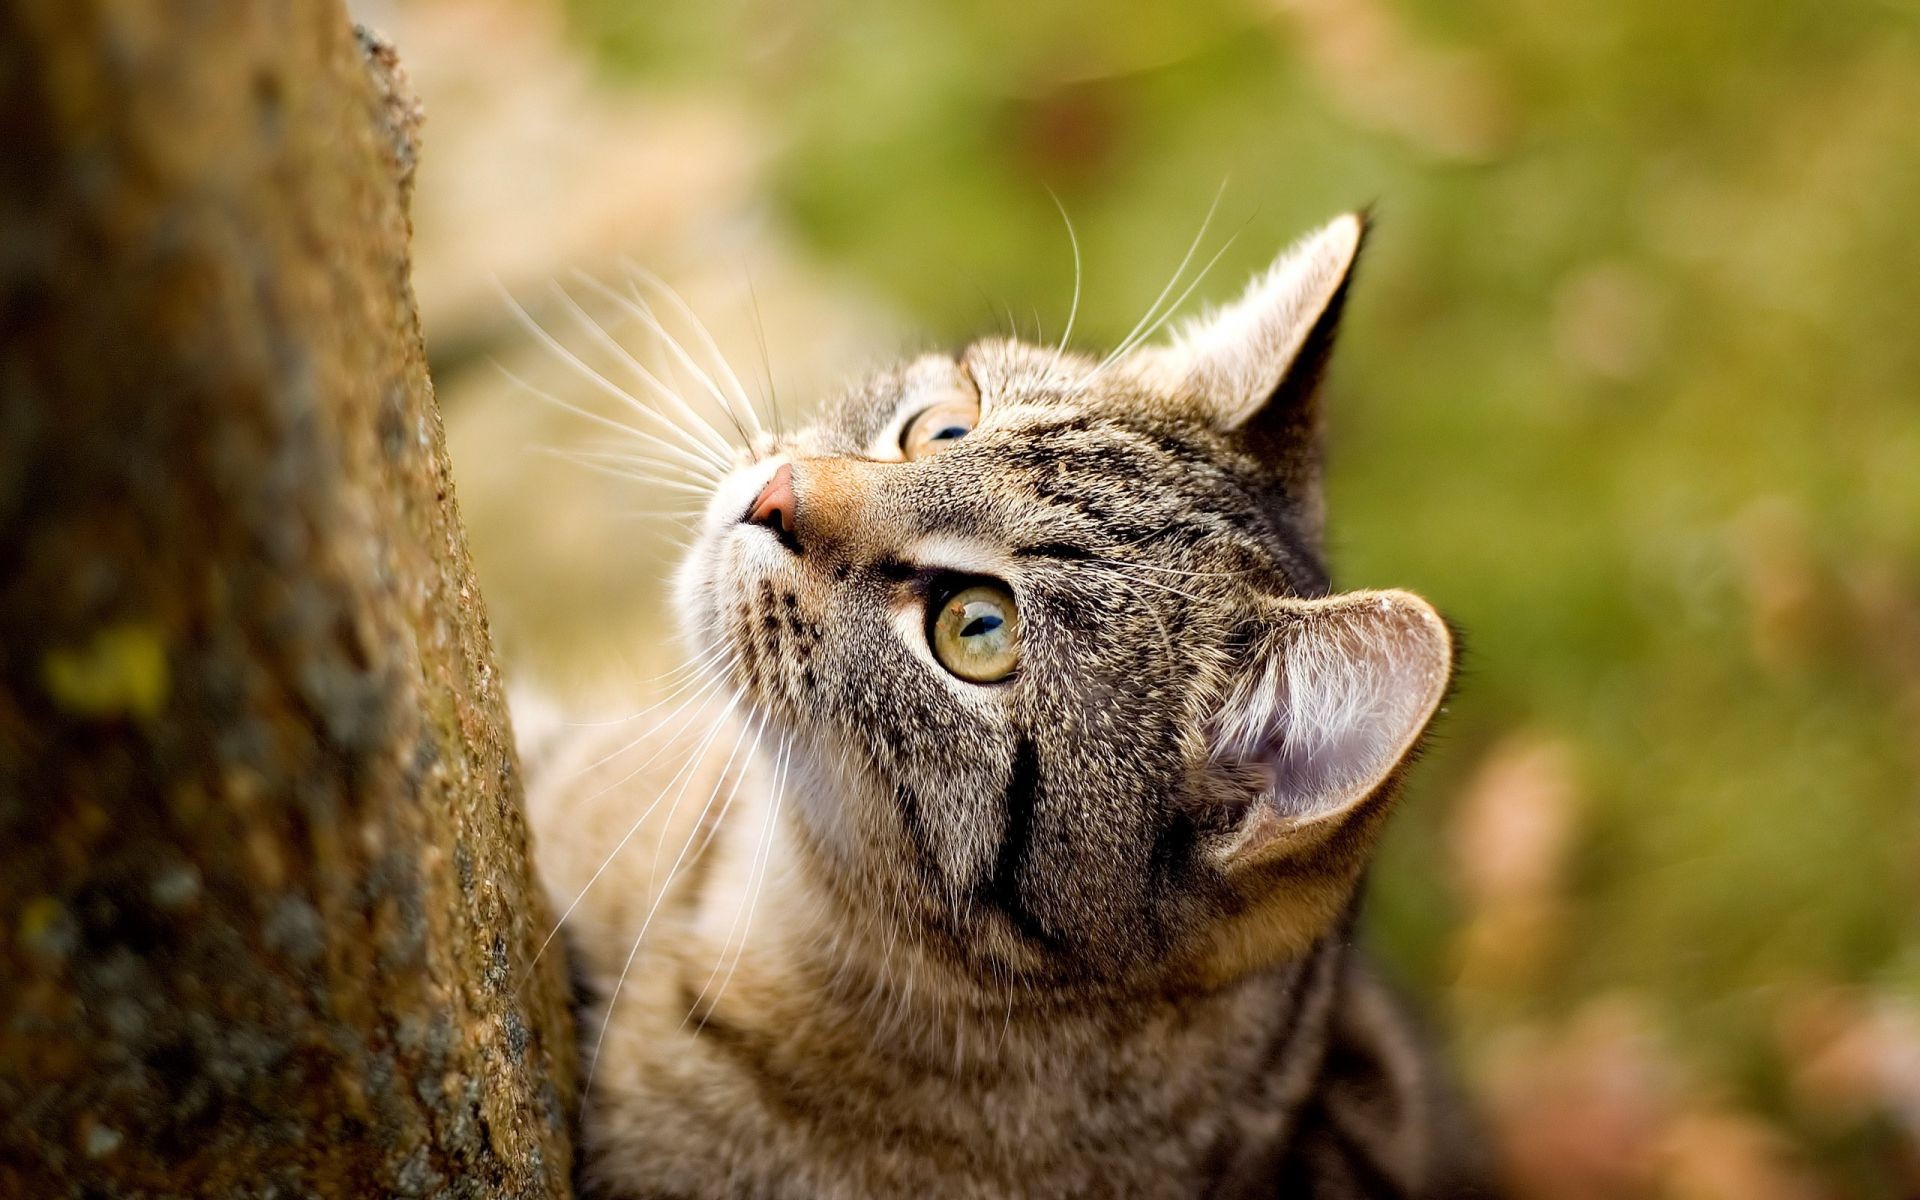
{"x": 1630, "y": 387}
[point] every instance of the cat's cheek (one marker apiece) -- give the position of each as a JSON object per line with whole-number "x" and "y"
{"x": 819, "y": 798}
{"x": 694, "y": 602}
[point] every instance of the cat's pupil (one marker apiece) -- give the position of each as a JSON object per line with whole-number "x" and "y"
{"x": 949, "y": 433}
{"x": 979, "y": 625}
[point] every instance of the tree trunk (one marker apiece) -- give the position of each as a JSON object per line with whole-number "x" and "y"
{"x": 267, "y": 926}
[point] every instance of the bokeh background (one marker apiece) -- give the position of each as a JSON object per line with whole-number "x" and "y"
{"x": 1630, "y": 387}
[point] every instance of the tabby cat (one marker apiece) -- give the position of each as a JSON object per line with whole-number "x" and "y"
{"x": 1003, "y": 835}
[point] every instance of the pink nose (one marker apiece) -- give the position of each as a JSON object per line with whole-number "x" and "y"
{"x": 775, "y": 507}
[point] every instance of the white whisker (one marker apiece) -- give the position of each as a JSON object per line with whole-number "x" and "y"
{"x": 1073, "y": 310}
{"x": 704, "y": 467}
{"x": 618, "y": 846}
{"x": 1153, "y": 310}
{"x": 585, "y": 371}
{"x": 692, "y": 667}
{"x": 1126, "y": 347}
{"x": 714, "y": 439}
{"x": 653, "y": 867}
{"x": 660, "y": 896}
{"x": 700, "y": 330}
{"x": 706, "y": 683}
{"x": 756, "y": 881}
{"x": 766, "y": 362}
{"x": 1152, "y": 583}
{"x": 638, "y": 309}
{"x": 613, "y": 469}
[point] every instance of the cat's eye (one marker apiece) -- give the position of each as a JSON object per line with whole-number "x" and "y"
{"x": 975, "y": 633}
{"x": 938, "y": 426}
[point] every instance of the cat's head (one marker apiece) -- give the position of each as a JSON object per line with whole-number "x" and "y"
{"x": 1052, "y": 640}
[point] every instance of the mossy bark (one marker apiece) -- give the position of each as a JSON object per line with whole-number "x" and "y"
{"x": 267, "y": 925}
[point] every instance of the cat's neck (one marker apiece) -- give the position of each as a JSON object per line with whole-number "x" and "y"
{"x": 817, "y": 986}
{"x": 760, "y": 989}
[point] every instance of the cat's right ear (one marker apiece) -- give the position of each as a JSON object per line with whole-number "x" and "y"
{"x": 1305, "y": 755}
{"x": 1256, "y": 364}
{"x": 1254, "y": 367}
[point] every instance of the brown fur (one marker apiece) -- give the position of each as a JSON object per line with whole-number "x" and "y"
{"x": 850, "y": 926}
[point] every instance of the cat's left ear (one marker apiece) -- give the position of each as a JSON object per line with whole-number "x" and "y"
{"x": 1258, "y": 361}
{"x": 1306, "y": 752}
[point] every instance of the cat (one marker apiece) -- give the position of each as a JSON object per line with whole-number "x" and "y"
{"x": 1004, "y": 832}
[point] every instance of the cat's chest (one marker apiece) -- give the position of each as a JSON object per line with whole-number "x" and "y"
{"x": 735, "y": 1104}
{"x": 714, "y": 1122}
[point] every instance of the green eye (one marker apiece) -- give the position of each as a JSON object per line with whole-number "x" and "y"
{"x": 938, "y": 427}
{"x": 976, "y": 633}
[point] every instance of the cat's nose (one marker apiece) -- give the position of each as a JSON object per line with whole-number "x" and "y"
{"x": 775, "y": 507}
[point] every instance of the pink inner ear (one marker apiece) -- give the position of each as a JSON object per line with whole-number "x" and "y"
{"x": 1334, "y": 711}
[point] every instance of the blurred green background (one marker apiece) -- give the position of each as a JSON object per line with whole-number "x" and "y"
{"x": 1629, "y": 386}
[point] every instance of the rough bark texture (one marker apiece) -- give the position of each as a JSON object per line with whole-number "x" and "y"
{"x": 266, "y": 920}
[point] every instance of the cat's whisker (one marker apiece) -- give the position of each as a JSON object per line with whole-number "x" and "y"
{"x": 677, "y": 673}
{"x": 580, "y": 367}
{"x": 637, "y": 308}
{"x": 699, "y": 425}
{"x": 700, "y": 676}
{"x": 607, "y": 861}
{"x": 707, "y": 831}
{"x": 686, "y": 674}
{"x": 1153, "y": 309}
{"x": 661, "y": 894}
{"x": 684, "y": 708}
{"x": 677, "y": 352}
{"x": 700, "y": 330}
{"x": 662, "y": 514}
{"x": 1073, "y": 310}
{"x": 1128, "y": 346}
{"x": 683, "y": 545}
{"x": 680, "y": 360}
{"x": 675, "y": 485}
{"x": 617, "y": 453}
{"x": 679, "y": 302}
{"x": 706, "y": 468}
{"x": 1098, "y": 565}
{"x": 623, "y": 466}
{"x": 766, "y": 364}
{"x": 711, "y": 829}
{"x": 719, "y": 781}
{"x": 763, "y": 855}
{"x": 690, "y": 496}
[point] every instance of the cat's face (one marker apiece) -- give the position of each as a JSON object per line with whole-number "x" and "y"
{"x": 1047, "y": 640}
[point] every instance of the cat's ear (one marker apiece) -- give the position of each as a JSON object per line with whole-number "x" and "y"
{"x": 1306, "y": 754}
{"x": 1256, "y": 364}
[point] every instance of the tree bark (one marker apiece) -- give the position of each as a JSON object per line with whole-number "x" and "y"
{"x": 267, "y": 925}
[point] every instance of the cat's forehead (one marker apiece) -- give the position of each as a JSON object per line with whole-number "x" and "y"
{"x": 1014, "y": 383}
{"x": 1071, "y": 460}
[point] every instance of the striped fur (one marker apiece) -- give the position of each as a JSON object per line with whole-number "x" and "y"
{"x": 849, "y": 926}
